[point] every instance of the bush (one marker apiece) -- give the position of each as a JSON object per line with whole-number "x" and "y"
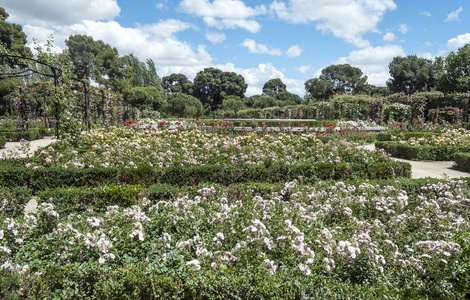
{"x": 13, "y": 200}
{"x": 462, "y": 161}
{"x": 3, "y": 141}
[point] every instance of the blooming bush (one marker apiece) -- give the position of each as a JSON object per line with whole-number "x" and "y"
{"x": 361, "y": 234}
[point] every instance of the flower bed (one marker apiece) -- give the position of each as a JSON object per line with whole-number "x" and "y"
{"x": 324, "y": 241}
{"x": 128, "y": 148}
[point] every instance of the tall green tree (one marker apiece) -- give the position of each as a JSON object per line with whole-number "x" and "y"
{"x": 177, "y": 83}
{"x": 143, "y": 73}
{"x": 456, "y": 75}
{"x": 273, "y": 87}
{"x": 411, "y": 74}
{"x": 345, "y": 78}
{"x": 212, "y": 85}
{"x": 182, "y": 105}
{"x": 319, "y": 89}
{"x": 12, "y": 36}
{"x": 100, "y": 62}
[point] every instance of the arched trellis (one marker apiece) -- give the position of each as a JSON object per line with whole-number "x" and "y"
{"x": 105, "y": 108}
{"x": 24, "y": 68}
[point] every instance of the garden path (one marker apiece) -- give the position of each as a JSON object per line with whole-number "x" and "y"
{"x": 434, "y": 169}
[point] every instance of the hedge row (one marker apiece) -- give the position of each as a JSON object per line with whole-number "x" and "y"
{"x": 385, "y": 136}
{"x": 435, "y": 153}
{"x": 146, "y": 280}
{"x": 16, "y": 136}
{"x": 462, "y": 161}
{"x": 42, "y": 178}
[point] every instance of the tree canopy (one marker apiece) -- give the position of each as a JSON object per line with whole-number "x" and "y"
{"x": 456, "y": 75}
{"x": 12, "y": 36}
{"x": 212, "y": 85}
{"x": 411, "y": 74}
{"x": 177, "y": 83}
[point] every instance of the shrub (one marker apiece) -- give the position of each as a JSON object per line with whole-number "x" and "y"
{"x": 3, "y": 141}
{"x": 462, "y": 161}
{"x": 421, "y": 152}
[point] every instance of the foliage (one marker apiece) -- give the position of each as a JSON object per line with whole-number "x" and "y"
{"x": 12, "y": 36}
{"x": 146, "y": 98}
{"x": 452, "y": 115}
{"x": 177, "y": 83}
{"x": 413, "y": 74}
{"x": 330, "y": 240}
{"x": 273, "y": 87}
{"x": 182, "y": 105}
{"x": 462, "y": 161}
{"x": 456, "y": 71}
{"x": 212, "y": 85}
{"x": 396, "y": 112}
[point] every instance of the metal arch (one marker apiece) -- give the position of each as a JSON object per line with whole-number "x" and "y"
{"x": 56, "y": 72}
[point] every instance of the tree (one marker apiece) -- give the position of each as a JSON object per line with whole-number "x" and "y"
{"x": 264, "y": 101}
{"x": 143, "y": 74}
{"x": 12, "y": 36}
{"x": 412, "y": 74}
{"x": 233, "y": 103}
{"x": 146, "y": 98}
{"x": 182, "y": 105}
{"x": 319, "y": 89}
{"x": 273, "y": 87}
{"x": 212, "y": 85}
{"x": 83, "y": 51}
{"x": 177, "y": 83}
{"x": 345, "y": 78}
{"x": 456, "y": 75}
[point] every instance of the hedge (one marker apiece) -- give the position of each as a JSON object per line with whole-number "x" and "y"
{"x": 42, "y": 178}
{"x": 3, "y": 141}
{"x": 13, "y": 200}
{"x": 462, "y": 161}
{"x": 16, "y": 136}
{"x": 386, "y": 136}
{"x": 422, "y": 152}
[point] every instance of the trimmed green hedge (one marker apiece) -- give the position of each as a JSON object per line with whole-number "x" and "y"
{"x": 462, "y": 161}
{"x": 42, "y": 178}
{"x": 386, "y": 136}
{"x": 16, "y": 136}
{"x": 3, "y": 141}
{"x": 79, "y": 199}
{"x": 436, "y": 153}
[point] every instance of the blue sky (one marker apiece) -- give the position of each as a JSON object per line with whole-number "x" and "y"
{"x": 259, "y": 39}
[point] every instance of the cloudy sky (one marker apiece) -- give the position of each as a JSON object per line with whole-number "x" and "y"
{"x": 259, "y": 39}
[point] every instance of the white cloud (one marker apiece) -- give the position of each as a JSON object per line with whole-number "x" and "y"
{"x": 224, "y": 14}
{"x": 165, "y": 29}
{"x": 294, "y": 51}
{"x": 303, "y": 69}
{"x": 256, "y": 77}
{"x": 345, "y": 19}
{"x": 256, "y": 48}
{"x": 373, "y": 61}
{"x": 403, "y": 28}
{"x": 455, "y": 43}
{"x": 388, "y": 37}
{"x": 454, "y": 16}
{"x": 215, "y": 37}
{"x": 425, "y": 13}
{"x": 60, "y": 12}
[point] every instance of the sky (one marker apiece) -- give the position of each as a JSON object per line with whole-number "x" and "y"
{"x": 259, "y": 39}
